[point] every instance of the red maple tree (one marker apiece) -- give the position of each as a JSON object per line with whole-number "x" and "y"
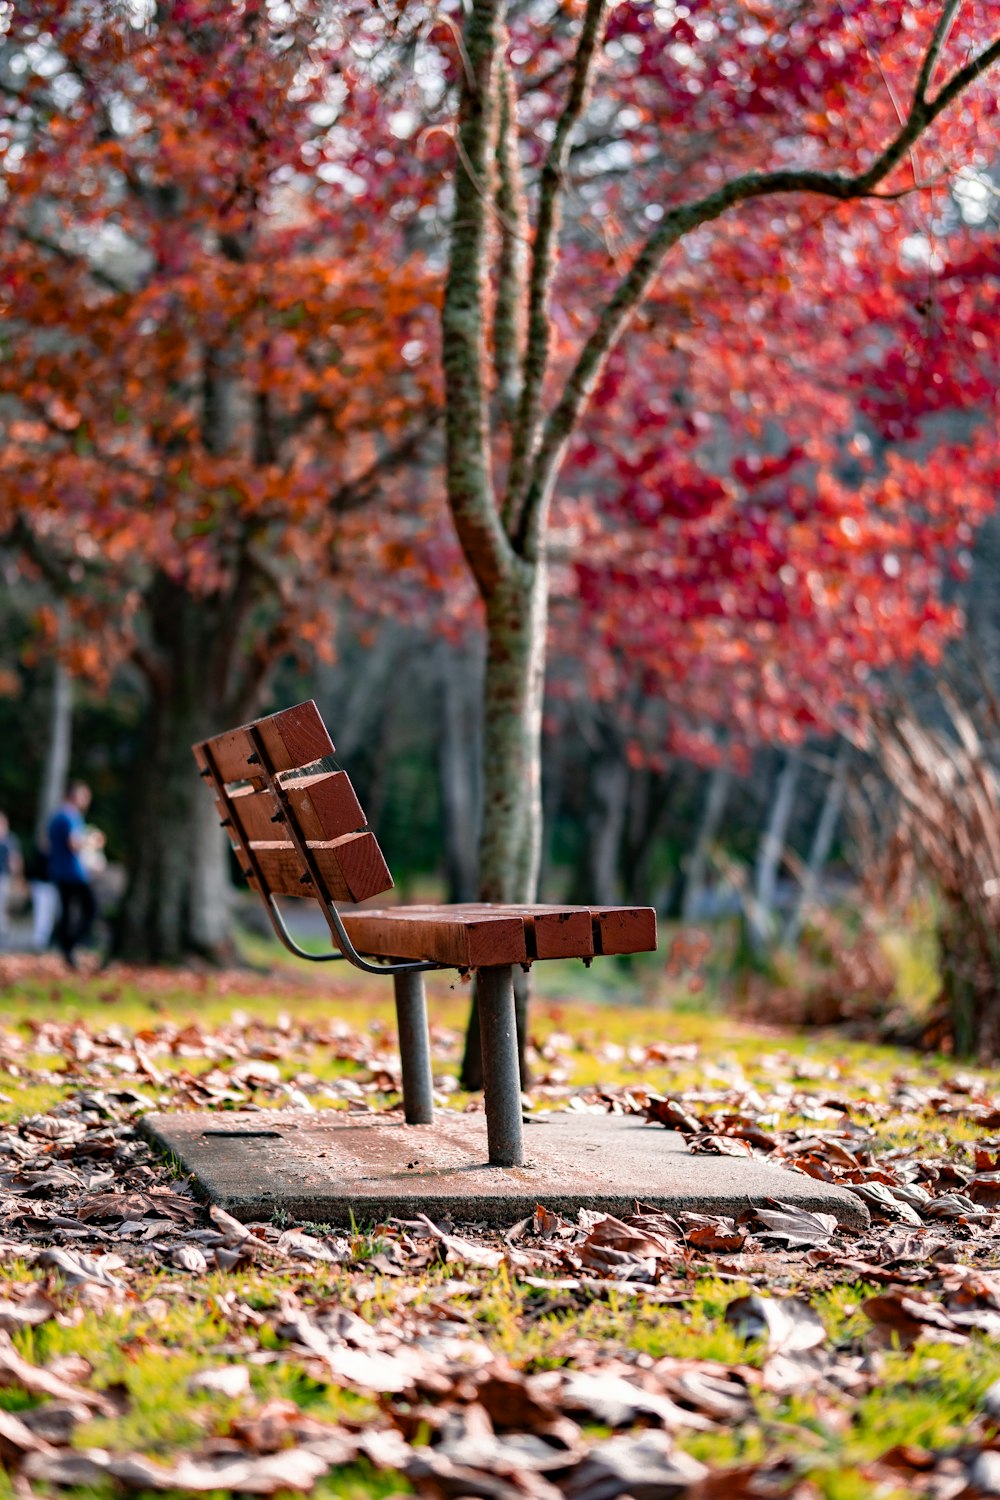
{"x": 214, "y": 361}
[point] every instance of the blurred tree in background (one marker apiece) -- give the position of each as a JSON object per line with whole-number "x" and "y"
{"x": 209, "y": 366}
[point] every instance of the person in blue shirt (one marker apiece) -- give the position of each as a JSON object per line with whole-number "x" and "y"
{"x": 10, "y": 865}
{"x": 67, "y": 836}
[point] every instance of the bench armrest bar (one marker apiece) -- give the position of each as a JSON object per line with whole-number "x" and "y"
{"x": 349, "y": 952}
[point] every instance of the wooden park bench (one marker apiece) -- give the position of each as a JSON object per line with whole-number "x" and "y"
{"x": 298, "y": 830}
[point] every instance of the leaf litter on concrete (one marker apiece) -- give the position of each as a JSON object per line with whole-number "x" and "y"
{"x": 768, "y": 1353}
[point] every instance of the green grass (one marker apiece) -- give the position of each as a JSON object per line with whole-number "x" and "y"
{"x": 591, "y": 1028}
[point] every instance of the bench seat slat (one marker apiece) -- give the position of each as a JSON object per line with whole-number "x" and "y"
{"x": 550, "y": 931}
{"x": 325, "y": 806}
{"x": 460, "y": 940}
{"x": 624, "y": 929}
{"x": 352, "y": 867}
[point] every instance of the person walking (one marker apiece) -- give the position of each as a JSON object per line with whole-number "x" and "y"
{"x": 67, "y": 836}
{"x": 10, "y": 865}
{"x": 44, "y": 896}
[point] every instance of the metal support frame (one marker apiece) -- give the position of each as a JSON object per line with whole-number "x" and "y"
{"x": 501, "y": 1065}
{"x": 414, "y": 1048}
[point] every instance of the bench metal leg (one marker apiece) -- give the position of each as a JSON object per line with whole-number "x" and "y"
{"x": 414, "y": 1048}
{"x": 501, "y": 1070}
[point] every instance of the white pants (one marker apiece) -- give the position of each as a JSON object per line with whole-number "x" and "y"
{"x": 44, "y": 908}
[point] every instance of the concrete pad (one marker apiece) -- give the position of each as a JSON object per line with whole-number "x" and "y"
{"x": 324, "y": 1166}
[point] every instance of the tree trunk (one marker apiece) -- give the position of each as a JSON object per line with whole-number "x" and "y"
{"x": 711, "y": 820}
{"x": 822, "y": 843}
{"x": 510, "y": 843}
{"x": 598, "y": 877}
{"x": 58, "y": 747}
{"x": 459, "y": 751}
{"x": 769, "y": 855}
{"x": 177, "y": 902}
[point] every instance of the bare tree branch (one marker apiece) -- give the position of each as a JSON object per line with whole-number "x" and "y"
{"x": 470, "y": 481}
{"x": 543, "y": 257}
{"x": 63, "y": 253}
{"x": 359, "y": 491}
{"x": 507, "y": 328}
{"x": 934, "y": 49}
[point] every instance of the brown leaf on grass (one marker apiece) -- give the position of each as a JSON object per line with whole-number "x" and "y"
{"x": 799, "y": 1227}
{"x": 188, "y": 1258}
{"x": 546, "y": 1223}
{"x": 785, "y": 1324}
{"x": 76, "y": 1266}
{"x": 27, "y": 1311}
{"x": 710, "y": 1389}
{"x": 225, "y": 1380}
{"x": 371, "y": 1369}
{"x": 41, "y": 1382}
{"x": 614, "y": 1401}
{"x": 513, "y": 1400}
{"x": 984, "y": 1189}
{"x": 612, "y": 1244}
{"x": 55, "y": 1421}
{"x": 461, "y": 1250}
{"x": 269, "y": 1428}
{"x": 470, "y": 1459}
{"x": 293, "y": 1469}
{"x": 883, "y": 1204}
{"x": 645, "y": 1467}
{"x": 106, "y": 1208}
{"x": 233, "y": 1232}
{"x": 301, "y": 1246}
{"x": 712, "y": 1232}
{"x": 906, "y": 1316}
{"x": 17, "y": 1439}
{"x": 784, "y": 1374}
{"x": 239, "y": 1243}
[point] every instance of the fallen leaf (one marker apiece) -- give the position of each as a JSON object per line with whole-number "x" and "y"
{"x": 786, "y": 1324}
{"x": 799, "y": 1227}
{"x": 41, "y": 1382}
{"x": 226, "y": 1380}
{"x": 646, "y": 1467}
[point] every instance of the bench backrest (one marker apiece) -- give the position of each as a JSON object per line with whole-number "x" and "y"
{"x": 298, "y": 829}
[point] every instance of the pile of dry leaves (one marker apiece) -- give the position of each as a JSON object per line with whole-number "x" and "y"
{"x": 91, "y": 1221}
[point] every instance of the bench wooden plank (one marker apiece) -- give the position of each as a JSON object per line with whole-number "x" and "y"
{"x": 449, "y": 936}
{"x": 324, "y": 805}
{"x": 550, "y": 931}
{"x": 295, "y": 737}
{"x": 624, "y": 929}
{"x": 352, "y": 867}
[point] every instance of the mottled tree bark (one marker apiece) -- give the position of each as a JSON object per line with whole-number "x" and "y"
{"x": 177, "y": 902}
